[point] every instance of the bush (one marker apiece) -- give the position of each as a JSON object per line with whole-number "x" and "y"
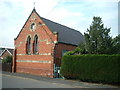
{"x": 7, "y": 59}
{"x": 69, "y": 53}
{"x": 92, "y": 68}
{"x": 76, "y": 51}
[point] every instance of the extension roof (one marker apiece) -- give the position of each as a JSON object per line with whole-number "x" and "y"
{"x": 65, "y": 34}
{"x": 10, "y": 51}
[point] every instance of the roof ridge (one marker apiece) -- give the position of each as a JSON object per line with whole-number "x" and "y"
{"x": 60, "y": 24}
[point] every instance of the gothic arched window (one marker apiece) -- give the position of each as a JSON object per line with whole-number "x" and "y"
{"x": 28, "y": 45}
{"x": 35, "y": 45}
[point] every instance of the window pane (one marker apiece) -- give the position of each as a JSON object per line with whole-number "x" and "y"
{"x": 33, "y": 26}
{"x": 28, "y": 45}
{"x": 36, "y": 44}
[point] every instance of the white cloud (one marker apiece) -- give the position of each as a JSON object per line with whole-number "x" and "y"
{"x": 81, "y": 19}
{"x": 78, "y": 15}
{"x": 15, "y": 13}
{"x": 61, "y": 14}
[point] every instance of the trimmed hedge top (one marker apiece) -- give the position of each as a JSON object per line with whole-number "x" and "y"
{"x": 93, "y": 68}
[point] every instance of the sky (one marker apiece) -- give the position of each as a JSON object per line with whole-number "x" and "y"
{"x": 76, "y": 14}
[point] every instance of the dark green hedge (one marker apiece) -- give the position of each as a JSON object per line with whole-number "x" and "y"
{"x": 92, "y": 68}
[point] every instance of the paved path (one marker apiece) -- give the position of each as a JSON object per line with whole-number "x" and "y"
{"x": 17, "y": 80}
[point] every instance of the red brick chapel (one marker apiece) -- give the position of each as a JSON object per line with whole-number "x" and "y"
{"x": 40, "y": 45}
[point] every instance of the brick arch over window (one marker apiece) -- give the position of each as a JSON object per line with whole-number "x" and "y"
{"x": 35, "y": 45}
{"x": 28, "y": 45}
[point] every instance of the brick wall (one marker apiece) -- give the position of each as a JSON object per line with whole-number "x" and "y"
{"x": 58, "y": 51}
{"x": 41, "y": 63}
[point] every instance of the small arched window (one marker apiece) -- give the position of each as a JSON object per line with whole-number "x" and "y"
{"x": 32, "y": 27}
{"x": 35, "y": 45}
{"x": 28, "y": 45}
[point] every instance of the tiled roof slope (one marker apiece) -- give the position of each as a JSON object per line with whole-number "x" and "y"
{"x": 11, "y": 51}
{"x": 65, "y": 34}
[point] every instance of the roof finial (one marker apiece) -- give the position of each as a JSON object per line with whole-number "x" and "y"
{"x": 34, "y": 5}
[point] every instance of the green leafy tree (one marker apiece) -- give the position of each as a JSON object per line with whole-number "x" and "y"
{"x": 82, "y": 46}
{"x": 97, "y": 38}
{"x": 7, "y": 59}
{"x": 116, "y": 45}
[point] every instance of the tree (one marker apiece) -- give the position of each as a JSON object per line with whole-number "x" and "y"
{"x": 97, "y": 39}
{"x": 116, "y": 45}
{"x": 7, "y": 59}
{"x": 83, "y": 48}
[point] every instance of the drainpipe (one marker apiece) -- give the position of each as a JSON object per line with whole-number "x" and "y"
{"x": 14, "y": 59}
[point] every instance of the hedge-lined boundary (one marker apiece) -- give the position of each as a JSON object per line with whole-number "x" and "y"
{"x": 92, "y": 68}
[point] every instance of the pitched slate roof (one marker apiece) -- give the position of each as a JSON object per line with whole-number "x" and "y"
{"x": 65, "y": 34}
{"x": 10, "y": 51}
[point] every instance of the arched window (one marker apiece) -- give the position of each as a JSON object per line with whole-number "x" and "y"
{"x": 32, "y": 27}
{"x": 28, "y": 45}
{"x": 35, "y": 45}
